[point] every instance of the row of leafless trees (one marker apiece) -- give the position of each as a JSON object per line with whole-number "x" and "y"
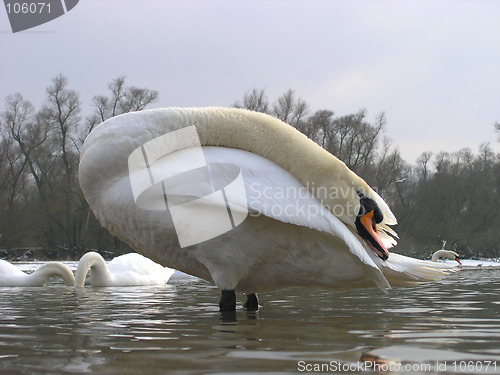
{"x": 447, "y": 196}
{"x": 40, "y": 199}
{"x": 454, "y": 197}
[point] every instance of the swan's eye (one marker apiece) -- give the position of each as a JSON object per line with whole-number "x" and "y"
{"x": 378, "y": 215}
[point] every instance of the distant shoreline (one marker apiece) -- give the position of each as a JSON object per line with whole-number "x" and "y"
{"x": 50, "y": 254}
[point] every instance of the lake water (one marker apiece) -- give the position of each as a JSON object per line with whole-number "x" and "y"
{"x": 451, "y": 326}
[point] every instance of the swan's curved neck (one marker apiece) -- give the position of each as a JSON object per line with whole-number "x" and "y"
{"x": 98, "y": 265}
{"x": 314, "y": 167}
{"x": 48, "y": 270}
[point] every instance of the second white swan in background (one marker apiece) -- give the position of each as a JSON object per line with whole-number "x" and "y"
{"x": 447, "y": 254}
{"x": 465, "y": 263}
{"x": 10, "y": 275}
{"x": 124, "y": 270}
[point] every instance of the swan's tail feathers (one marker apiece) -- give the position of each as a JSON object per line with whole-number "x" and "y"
{"x": 404, "y": 271}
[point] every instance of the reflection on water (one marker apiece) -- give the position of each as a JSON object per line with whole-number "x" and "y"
{"x": 178, "y": 329}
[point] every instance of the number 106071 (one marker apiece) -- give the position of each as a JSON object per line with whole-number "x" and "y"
{"x": 27, "y": 8}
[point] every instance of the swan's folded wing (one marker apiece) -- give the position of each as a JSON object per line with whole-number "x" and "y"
{"x": 273, "y": 192}
{"x": 405, "y": 271}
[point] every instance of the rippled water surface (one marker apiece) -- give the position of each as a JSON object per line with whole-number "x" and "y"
{"x": 177, "y": 328}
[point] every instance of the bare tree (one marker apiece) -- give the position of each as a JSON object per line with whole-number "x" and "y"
{"x": 12, "y": 178}
{"x": 354, "y": 141}
{"x": 12, "y": 173}
{"x": 254, "y": 100}
{"x": 318, "y": 127}
{"x": 486, "y": 156}
{"x": 423, "y": 164}
{"x": 122, "y": 99}
{"x": 18, "y": 121}
{"x": 61, "y": 113}
{"x": 389, "y": 168}
{"x": 290, "y": 109}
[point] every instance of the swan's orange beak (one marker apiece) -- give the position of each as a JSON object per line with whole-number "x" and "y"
{"x": 458, "y": 260}
{"x": 367, "y": 228}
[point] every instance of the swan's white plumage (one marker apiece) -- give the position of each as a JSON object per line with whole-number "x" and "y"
{"x": 272, "y": 248}
{"x": 10, "y": 275}
{"x": 124, "y": 270}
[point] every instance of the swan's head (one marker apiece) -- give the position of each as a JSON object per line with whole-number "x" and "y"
{"x": 368, "y": 217}
{"x": 452, "y": 255}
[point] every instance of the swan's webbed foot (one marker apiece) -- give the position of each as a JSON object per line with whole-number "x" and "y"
{"x": 252, "y": 303}
{"x": 227, "y": 300}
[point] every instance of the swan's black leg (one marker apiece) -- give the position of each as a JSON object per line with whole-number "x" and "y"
{"x": 227, "y": 301}
{"x": 252, "y": 303}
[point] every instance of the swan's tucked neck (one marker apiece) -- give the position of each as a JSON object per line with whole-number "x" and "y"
{"x": 99, "y": 270}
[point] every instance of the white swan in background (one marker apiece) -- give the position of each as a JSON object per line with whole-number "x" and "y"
{"x": 464, "y": 263}
{"x": 124, "y": 270}
{"x": 447, "y": 254}
{"x": 10, "y": 275}
{"x": 311, "y": 221}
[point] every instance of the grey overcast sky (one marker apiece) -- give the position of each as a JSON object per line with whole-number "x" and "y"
{"x": 433, "y": 66}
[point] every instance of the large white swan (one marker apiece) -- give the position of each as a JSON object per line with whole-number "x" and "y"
{"x": 10, "y": 275}
{"x": 124, "y": 270}
{"x": 311, "y": 221}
